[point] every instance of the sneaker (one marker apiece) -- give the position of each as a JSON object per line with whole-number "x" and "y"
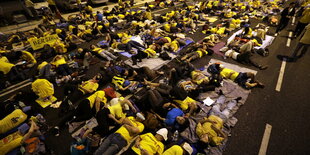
{"x": 276, "y": 34}
{"x": 263, "y": 67}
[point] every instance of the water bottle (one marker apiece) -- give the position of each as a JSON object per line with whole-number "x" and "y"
{"x": 175, "y": 136}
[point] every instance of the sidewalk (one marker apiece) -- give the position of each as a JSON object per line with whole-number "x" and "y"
{"x": 32, "y": 24}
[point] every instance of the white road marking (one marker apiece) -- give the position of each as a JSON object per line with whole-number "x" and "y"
{"x": 265, "y": 141}
{"x": 281, "y": 74}
{"x": 293, "y": 20}
{"x": 288, "y": 43}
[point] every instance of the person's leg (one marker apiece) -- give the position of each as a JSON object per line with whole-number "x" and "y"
{"x": 164, "y": 89}
{"x": 296, "y": 50}
{"x": 103, "y": 55}
{"x": 105, "y": 145}
{"x": 298, "y": 28}
{"x": 110, "y": 55}
{"x": 83, "y": 112}
{"x": 304, "y": 50}
{"x": 117, "y": 143}
{"x": 154, "y": 98}
{"x": 103, "y": 124}
{"x": 151, "y": 74}
{"x": 136, "y": 45}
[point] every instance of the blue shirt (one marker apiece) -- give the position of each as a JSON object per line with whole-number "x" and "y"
{"x": 172, "y": 115}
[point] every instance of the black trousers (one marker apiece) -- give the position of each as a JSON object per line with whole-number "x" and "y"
{"x": 283, "y": 23}
{"x": 299, "y": 28}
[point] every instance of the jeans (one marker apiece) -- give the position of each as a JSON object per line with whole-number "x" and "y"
{"x": 283, "y": 23}
{"x": 111, "y": 145}
{"x": 107, "y": 55}
{"x": 299, "y": 28}
{"x": 224, "y": 114}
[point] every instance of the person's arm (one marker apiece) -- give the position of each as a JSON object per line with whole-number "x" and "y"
{"x": 126, "y": 101}
{"x": 134, "y": 74}
{"x": 218, "y": 131}
{"x": 118, "y": 121}
{"x": 32, "y": 129}
{"x": 206, "y": 120}
{"x": 97, "y": 103}
{"x": 137, "y": 142}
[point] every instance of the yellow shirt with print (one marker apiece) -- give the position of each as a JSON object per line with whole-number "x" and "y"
{"x": 174, "y": 150}
{"x": 226, "y": 73}
{"x": 12, "y": 120}
{"x": 5, "y": 65}
{"x": 206, "y": 128}
{"x": 92, "y": 98}
{"x": 125, "y": 133}
{"x": 150, "y": 144}
{"x": 89, "y": 86}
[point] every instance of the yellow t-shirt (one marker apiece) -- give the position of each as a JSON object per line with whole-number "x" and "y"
{"x": 184, "y": 104}
{"x": 99, "y": 50}
{"x": 150, "y": 52}
{"x": 174, "y": 45}
{"x": 90, "y": 86}
{"x": 226, "y": 72}
{"x": 125, "y": 133}
{"x": 42, "y": 65}
{"x": 167, "y": 27}
{"x": 5, "y": 65}
{"x": 12, "y": 120}
{"x": 43, "y": 88}
{"x": 201, "y": 53}
{"x": 92, "y": 98}
{"x": 174, "y": 150}
{"x": 206, "y": 128}
{"x": 150, "y": 144}
{"x": 10, "y": 142}
{"x": 27, "y": 56}
{"x": 59, "y": 62}
{"x": 117, "y": 110}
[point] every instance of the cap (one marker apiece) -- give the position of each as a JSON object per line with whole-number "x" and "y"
{"x": 163, "y": 132}
{"x": 139, "y": 115}
{"x": 187, "y": 148}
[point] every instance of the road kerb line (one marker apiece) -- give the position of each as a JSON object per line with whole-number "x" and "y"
{"x": 281, "y": 74}
{"x": 288, "y": 43}
{"x": 265, "y": 140}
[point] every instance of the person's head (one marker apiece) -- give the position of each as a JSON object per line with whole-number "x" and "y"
{"x": 93, "y": 46}
{"x": 125, "y": 72}
{"x": 80, "y": 50}
{"x": 204, "y": 138}
{"x": 181, "y": 120}
{"x": 98, "y": 77}
{"x": 162, "y": 134}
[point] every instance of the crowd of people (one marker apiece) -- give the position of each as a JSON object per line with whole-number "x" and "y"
{"x": 98, "y": 84}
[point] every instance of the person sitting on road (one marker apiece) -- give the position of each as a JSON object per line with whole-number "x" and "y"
{"x": 244, "y": 79}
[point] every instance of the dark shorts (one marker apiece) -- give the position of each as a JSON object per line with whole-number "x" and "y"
{"x": 241, "y": 79}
